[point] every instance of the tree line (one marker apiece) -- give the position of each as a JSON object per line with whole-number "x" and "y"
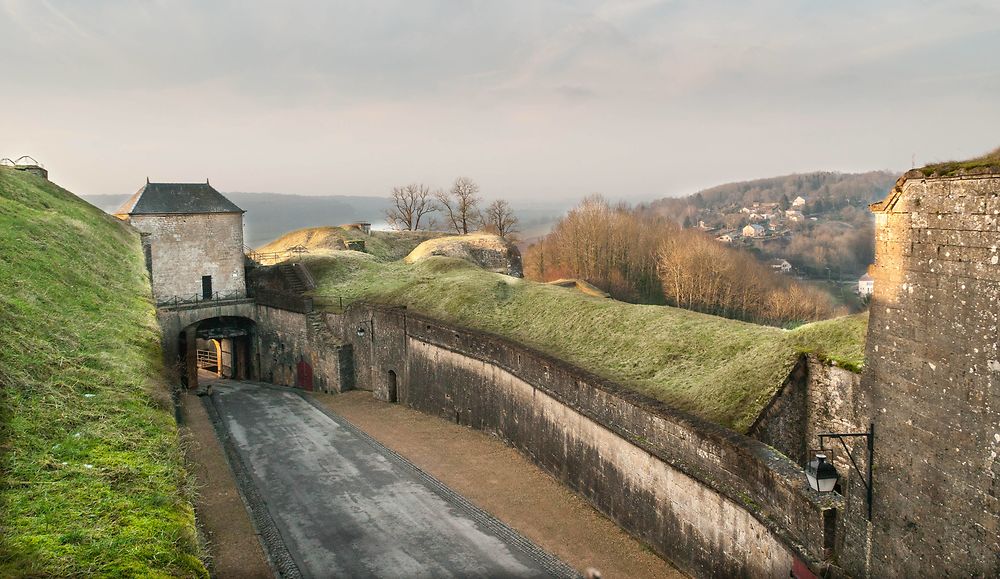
{"x": 840, "y": 245}
{"x": 415, "y": 206}
{"x": 639, "y": 256}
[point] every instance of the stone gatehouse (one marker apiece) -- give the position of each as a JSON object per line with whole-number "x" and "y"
{"x": 193, "y": 239}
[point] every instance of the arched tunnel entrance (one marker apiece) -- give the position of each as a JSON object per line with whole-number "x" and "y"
{"x": 221, "y": 346}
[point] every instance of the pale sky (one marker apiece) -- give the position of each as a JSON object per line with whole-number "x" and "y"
{"x": 535, "y": 100}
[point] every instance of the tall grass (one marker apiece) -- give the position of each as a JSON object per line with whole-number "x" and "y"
{"x": 93, "y": 481}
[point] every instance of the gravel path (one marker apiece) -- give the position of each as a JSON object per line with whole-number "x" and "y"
{"x": 222, "y": 516}
{"x": 503, "y": 482}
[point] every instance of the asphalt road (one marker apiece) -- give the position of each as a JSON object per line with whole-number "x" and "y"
{"x": 347, "y": 507}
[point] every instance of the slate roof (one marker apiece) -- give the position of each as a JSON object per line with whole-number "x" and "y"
{"x": 157, "y": 198}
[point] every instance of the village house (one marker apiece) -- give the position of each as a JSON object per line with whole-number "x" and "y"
{"x": 799, "y": 202}
{"x": 780, "y": 265}
{"x": 866, "y": 285}
{"x": 793, "y": 215}
{"x": 753, "y": 230}
{"x": 727, "y": 237}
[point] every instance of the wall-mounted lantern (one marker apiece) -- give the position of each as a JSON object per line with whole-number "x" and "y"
{"x": 823, "y": 475}
{"x": 364, "y": 327}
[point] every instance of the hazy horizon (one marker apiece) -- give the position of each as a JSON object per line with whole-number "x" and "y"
{"x": 539, "y": 102}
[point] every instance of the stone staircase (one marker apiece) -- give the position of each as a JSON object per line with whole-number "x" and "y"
{"x": 316, "y": 325}
{"x": 292, "y": 278}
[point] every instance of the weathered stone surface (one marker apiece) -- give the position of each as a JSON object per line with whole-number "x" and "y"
{"x": 286, "y": 339}
{"x": 816, "y": 397}
{"x": 932, "y": 384}
{"x": 714, "y": 502}
{"x": 183, "y": 248}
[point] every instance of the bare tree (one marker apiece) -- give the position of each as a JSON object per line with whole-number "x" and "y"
{"x": 409, "y": 205}
{"x": 500, "y": 217}
{"x": 461, "y": 205}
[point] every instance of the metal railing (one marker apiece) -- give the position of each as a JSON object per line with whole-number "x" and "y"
{"x": 272, "y": 257}
{"x": 207, "y": 359}
{"x": 200, "y": 298}
{"x": 336, "y": 303}
{"x": 284, "y": 300}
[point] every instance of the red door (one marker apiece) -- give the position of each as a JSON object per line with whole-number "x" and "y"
{"x": 304, "y": 375}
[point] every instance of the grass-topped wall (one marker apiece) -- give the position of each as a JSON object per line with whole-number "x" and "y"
{"x": 719, "y": 369}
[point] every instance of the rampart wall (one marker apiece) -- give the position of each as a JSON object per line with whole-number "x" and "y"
{"x": 816, "y": 397}
{"x": 286, "y": 339}
{"x": 714, "y": 502}
{"x": 932, "y": 379}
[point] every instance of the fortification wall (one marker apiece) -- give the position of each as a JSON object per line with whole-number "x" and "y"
{"x": 287, "y": 339}
{"x": 714, "y": 502}
{"x": 932, "y": 379}
{"x": 816, "y": 397}
{"x": 183, "y": 248}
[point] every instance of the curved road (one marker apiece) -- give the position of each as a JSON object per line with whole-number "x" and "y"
{"x": 346, "y": 506}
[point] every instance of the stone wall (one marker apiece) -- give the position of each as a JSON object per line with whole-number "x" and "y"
{"x": 816, "y": 397}
{"x": 287, "y": 339}
{"x": 714, "y": 502}
{"x": 183, "y": 248}
{"x": 932, "y": 379}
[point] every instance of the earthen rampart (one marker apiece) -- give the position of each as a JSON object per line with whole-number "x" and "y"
{"x": 714, "y": 502}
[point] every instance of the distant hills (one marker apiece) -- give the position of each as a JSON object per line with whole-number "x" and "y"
{"x": 270, "y": 215}
{"x": 833, "y": 240}
{"x": 835, "y": 189}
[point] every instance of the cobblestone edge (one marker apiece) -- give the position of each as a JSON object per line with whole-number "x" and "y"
{"x": 278, "y": 556}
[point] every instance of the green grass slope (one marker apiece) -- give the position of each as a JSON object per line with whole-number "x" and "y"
{"x": 93, "y": 482}
{"x": 722, "y": 370}
{"x": 383, "y": 245}
{"x": 990, "y": 162}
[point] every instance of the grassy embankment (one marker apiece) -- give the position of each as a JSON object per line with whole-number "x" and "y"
{"x": 720, "y": 369}
{"x": 382, "y": 245}
{"x": 93, "y": 482}
{"x": 990, "y": 161}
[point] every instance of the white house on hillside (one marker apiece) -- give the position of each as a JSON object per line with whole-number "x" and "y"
{"x": 780, "y": 265}
{"x": 794, "y": 215}
{"x": 753, "y": 230}
{"x": 866, "y": 285}
{"x": 799, "y": 202}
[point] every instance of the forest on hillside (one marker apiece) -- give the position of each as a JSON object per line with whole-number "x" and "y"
{"x": 839, "y": 243}
{"x": 641, "y": 257}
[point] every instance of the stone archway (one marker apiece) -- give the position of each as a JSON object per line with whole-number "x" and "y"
{"x": 237, "y": 332}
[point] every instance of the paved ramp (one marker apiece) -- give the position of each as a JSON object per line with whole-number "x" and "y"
{"x": 345, "y": 506}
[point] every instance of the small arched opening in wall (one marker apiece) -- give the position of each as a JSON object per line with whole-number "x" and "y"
{"x": 220, "y": 347}
{"x": 393, "y": 392}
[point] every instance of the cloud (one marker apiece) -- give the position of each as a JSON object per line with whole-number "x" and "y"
{"x": 548, "y": 96}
